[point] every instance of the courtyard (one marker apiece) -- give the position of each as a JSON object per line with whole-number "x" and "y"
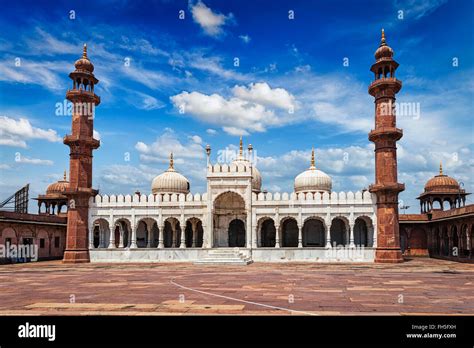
{"x": 420, "y": 286}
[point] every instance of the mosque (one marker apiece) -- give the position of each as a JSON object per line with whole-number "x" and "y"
{"x": 234, "y": 221}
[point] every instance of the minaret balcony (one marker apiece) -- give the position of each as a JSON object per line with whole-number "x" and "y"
{"x": 71, "y": 140}
{"x": 391, "y": 133}
{"x": 384, "y": 83}
{"x": 76, "y": 95}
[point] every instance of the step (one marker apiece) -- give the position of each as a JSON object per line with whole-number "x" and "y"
{"x": 231, "y": 256}
{"x": 223, "y": 261}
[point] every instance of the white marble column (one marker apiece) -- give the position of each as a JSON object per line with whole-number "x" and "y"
{"x": 277, "y": 236}
{"x": 182, "y": 244}
{"x": 112, "y": 238}
{"x": 133, "y": 243}
{"x": 161, "y": 235}
{"x": 328, "y": 237}
{"x": 204, "y": 236}
{"x": 173, "y": 235}
{"x": 248, "y": 230}
{"x": 351, "y": 235}
{"x": 91, "y": 237}
{"x": 194, "y": 228}
{"x": 148, "y": 235}
{"x": 254, "y": 236}
{"x": 101, "y": 237}
{"x": 300, "y": 236}
{"x": 121, "y": 236}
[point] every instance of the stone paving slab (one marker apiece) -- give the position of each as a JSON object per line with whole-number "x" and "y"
{"x": 418, "y": 287}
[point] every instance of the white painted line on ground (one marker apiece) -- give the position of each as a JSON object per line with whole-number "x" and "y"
{"x": 240, "y": 300}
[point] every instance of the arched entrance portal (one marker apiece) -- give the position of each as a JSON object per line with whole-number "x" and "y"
{"x": 229, "y": 220}
{"x": 236, "y": 233}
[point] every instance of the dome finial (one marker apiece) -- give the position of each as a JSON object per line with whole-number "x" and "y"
{"x": 171, "y": 161}
{"x": 440, "y": 168}
{"x": 382, "y": 41}
{"x": 84, "y": 52}
{"x": 312, "y": 159}
{"x": 241, "y": 147}
{"x": 65, "y": 175}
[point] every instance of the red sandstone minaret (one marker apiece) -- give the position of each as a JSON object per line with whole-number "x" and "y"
{"x": 385, "y": 136}
{"x": 81, "y": 143}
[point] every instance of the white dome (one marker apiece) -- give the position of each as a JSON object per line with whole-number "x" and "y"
{"x": 170, "y": 181}
{"x": 313, "y": 180}
{"x": 256, "y": 176}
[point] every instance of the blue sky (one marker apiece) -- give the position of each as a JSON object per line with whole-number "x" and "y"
{"x": 290, "y": 91}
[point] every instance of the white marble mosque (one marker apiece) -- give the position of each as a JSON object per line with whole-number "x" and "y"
{"x": 234, "y": 221}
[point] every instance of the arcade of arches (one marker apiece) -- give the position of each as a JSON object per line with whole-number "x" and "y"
{"x": 448, "y": 235}
{"x": 314, "y": 233}
{"x": 148, "y": 234}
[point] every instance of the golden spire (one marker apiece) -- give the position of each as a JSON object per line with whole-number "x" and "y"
{"x": 64, "y": 175}
{"x": 241, "y": 147}
{"x": 171, "y": 161}
{"x": 312, "y": 159}
{"x": 84, "y": 52}
{"x": 440, "y": 168}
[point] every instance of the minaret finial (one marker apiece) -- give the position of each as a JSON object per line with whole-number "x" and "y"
{"x": 84, "y": 52}
{"x": 241, "y": 147}
{"x": 382, "y": 41}
{"x": 440, "y": 168}
{"x": 65, "y": 175}
{"x": 312, "y": 159}
{"x": 171, "y": 161}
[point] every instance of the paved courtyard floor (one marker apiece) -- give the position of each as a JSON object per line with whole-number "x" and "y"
{"x": 418, "y": 286}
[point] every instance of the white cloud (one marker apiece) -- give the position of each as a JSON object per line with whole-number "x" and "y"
{"x": 168, "y": 142}
{"x": 44, "y": 74}
{"x": 211, "y": 22}
{"x": 247, "y": 111}
{"x": 213, "y": 65}
{"x": 418, "y": 8}
{"x": 16, "y": 132}
{"x": 35, "y": 161}
{"x": 211, "y": 131}
{"x": 245, "y": 38}
{"x": 96, "y": 134}
{"x": 262, "y": 93}
{"x": 119, "y": 176}
{"x": 151, "y": 78}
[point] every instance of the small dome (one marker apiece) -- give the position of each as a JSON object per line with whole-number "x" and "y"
{"x": 170, "y": 181}
{"x": 384, "y": 51}
{"x": 58, "y": 188}
{"x": 313, "y": 180}
{"x": 84, "y": 63}
{"x": 256, "y": 176}
{"x": 442, "y": 183}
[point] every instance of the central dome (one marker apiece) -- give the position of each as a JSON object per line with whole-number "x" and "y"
{"x": 256, "y": 176}
{"x": 170, "y": 181}
{"x": 313, "y": 180}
